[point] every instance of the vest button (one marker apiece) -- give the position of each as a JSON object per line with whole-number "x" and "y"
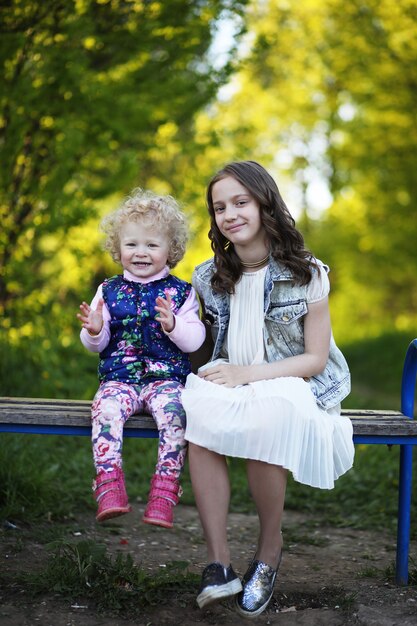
{"x": 285, "y": 318}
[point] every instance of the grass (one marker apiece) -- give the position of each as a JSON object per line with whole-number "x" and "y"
{"x": 389, "y": 573}
{"x": 376, "y": 367}
{"x": 386, "y": 574}
{"x": 84, "y": 572}
{"x": 50, "y": 477}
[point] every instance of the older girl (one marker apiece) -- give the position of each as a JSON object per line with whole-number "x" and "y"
{"x": 271, "y": 393}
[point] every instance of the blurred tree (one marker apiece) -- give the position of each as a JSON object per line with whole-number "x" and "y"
{"x": 102, "y": 95}
{"x": 370, "y": 57}
{"x": 327, "y": 98}
{"x": 90, "y": 89}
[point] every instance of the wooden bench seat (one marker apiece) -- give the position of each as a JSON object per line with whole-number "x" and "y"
{"x": 72, "y": 417}
{"x": 43, "y": 414}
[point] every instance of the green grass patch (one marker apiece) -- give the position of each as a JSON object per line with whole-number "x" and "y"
{"x": 369, "y": 572}
{"x": 389, "y": 573}
{"x": 365, "y": 497}
{"x": 84, "y": 571}
{"x": 50, "y": 477}
{"x": 376, "y": 367}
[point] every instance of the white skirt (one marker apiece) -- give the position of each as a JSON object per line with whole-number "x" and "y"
{"x": 277, "y": 421}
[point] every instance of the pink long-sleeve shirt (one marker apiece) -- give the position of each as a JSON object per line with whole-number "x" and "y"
{"x": 188, "y": 333}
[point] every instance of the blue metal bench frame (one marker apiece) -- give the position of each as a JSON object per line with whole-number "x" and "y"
{"x": 406, "y": 443}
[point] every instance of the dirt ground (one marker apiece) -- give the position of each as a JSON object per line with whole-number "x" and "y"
{"x": 329, "y": 576}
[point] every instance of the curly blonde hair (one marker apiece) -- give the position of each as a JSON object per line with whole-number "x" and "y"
{"x": 161, "y": 212}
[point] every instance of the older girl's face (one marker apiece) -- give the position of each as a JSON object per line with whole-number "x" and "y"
{"x": 237, "y": 215}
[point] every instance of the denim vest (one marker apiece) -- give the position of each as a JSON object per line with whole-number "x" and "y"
{"x": 139, "y": 351}
{"x": 285, "y": 305}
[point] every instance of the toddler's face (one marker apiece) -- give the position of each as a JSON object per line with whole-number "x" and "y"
{"x": 143, "y": 249}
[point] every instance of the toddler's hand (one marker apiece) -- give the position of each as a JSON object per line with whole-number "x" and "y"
{"x": 91, "y": 320}
{"x": 165, "y": 316}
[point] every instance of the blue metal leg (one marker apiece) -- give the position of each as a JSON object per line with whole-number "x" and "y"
{"x": 408, "y": 385}
{"x": 404, "y": 514}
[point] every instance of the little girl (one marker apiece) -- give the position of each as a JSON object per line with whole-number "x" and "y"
{"x": 143, "y": 323}
{"x": 271, "y": 393}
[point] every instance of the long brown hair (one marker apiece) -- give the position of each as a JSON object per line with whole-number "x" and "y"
{"x": 286, "y": 242}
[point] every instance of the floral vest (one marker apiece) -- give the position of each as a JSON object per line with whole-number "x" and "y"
{"x": 139, "y": 351}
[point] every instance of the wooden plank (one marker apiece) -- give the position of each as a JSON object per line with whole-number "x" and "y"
{"x": 65, "y": 412}
{"x": 380, "y": 427}
{"x": 44, "y": 401}
{"x": 49, "y": 413}
{"x": 371, "y": 412}
{"x": 71, "y": 405}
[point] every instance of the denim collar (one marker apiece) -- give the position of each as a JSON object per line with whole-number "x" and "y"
{"x": 278, "y": 271}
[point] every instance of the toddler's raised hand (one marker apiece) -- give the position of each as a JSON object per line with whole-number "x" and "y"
{"x": 165, "y": 316}
{"x": 91, "y": 320}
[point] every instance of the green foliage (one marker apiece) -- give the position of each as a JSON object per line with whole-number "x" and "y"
{"x": 365, "y": 497}
{"x": 87, "y": 87}
{"x": 50, "y": 477}
{"x": 332, "y": 92}
{"x": 42, "y": 367}
{"x": 98, "y": 97}
{"x": 376, "y": 365}
{"x": 86, "y": 570}
{"x": 44, "y": 477}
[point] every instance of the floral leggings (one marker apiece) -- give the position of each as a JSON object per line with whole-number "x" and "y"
{"x": 115, "y": 402}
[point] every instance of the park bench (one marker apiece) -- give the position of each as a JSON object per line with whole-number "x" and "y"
{"x": 72, "y": 417}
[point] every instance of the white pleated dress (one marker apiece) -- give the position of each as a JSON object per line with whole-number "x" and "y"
{"x": 277, "y": 421}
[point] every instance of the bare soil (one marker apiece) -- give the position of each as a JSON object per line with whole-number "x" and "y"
{"x": 328, "y": 576}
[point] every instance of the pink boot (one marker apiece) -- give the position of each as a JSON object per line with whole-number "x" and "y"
{"x": 163, "y": 496}
{"x": 110, "y": 493}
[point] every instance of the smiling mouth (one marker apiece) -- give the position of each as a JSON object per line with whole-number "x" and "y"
{"x": 234, "y": 227}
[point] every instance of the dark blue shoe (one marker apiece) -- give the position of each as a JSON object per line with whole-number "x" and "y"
{"x": 258, "y": 587}
{"x": 217, "y": 582}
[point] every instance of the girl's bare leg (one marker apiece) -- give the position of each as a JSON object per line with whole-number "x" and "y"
{"x": 267, "y": 484}
{"x": 211, "y": 487}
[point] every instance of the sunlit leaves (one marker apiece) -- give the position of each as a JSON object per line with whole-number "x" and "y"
{"x": 89, "y": 85}
{"x": 328, "y": 93}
